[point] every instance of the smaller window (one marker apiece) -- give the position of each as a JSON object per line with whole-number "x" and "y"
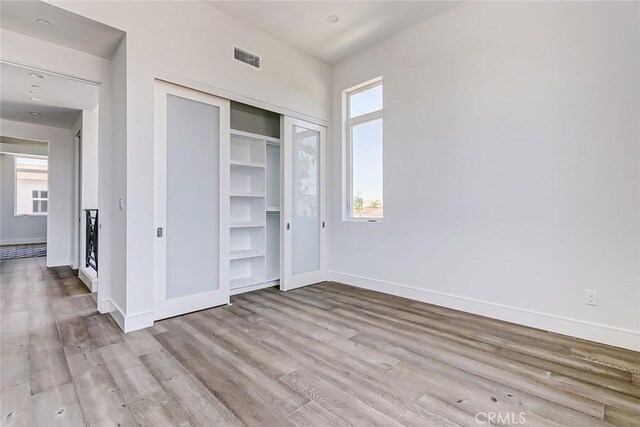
{"x": 363, "y": 132}
{"x": 31, "y": 181}
{"x": 40, "y": 202}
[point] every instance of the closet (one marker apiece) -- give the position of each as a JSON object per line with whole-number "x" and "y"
{"x": 240, "y": 200}
{"x": 254, "y": 222}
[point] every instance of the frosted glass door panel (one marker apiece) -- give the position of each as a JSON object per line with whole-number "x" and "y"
{"x": 305, "y": 217}
{"x": 192, "y": 231}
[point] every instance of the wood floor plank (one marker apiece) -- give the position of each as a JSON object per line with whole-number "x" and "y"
{"x": 554, "y": 405}
{"x": 262, "y": 357}
{"x": 272, "y": 300}
{"x": 335, "y": 401}
{"x": 142, "y": 342}
{"x": 314, "y": 415}
{"x": 318, "y": 356}
{"x": 15, "y": 404}
{"x": 158, "y": 409}
{"x": 243, "y": 370}
{"x": 613, "y": 384}
{"x": 100, "y": 399}
{"x": 237, "y": 394}
{"x": 102, "y": 331}
{"x": 198, "y": 404}
{"x": 131, "y": 376}
{"x": 632, "y": 366}
{"x": 58, "y": 406}
{"x": 14, "y": 350}
{"x": 48, "y": 364}
{"x": 319, "y": 334}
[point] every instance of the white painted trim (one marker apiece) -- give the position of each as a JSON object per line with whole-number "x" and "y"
{"x": 50, "y": 72}
{"x": 625, "y": 338}
{"x": 118, "y": 317}
{"x": 88, "y": 279}
{"x": 248, "y": 288}
{"x": 106, "y": 306}
{"x": 58, "y": 262}
{"x": 222, "y": 93}
{"x": 132, "y": 322}
{"x": 32, "y": 241}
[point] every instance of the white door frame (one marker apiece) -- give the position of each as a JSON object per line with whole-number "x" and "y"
{"x": 290, "y": 281}
{"x": 163, "y": 307}
{"x": 79, "y": 241}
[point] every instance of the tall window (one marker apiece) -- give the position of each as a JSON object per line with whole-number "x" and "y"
{"x": 363, "y": 130}
{"x": 32, "y": 195}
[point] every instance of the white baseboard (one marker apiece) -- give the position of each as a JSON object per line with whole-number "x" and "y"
{"x": 105, "y": 306}
{"x": 88, "y": 278}
{"x": 131, "y": 322}
{"x": 23, "y": 241}
{"x": 58, "y": 262}
{"x": 625, "y": 338}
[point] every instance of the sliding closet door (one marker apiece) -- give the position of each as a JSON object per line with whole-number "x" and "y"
{"x": 191, "y": 200}
{"x": 304, "y": 193}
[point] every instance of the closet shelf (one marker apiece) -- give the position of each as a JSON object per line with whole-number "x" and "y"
{"x": 254, "y": 136}
{"x": 247, "y": 224}
{"x": 248, "y": 195}
{"x": 245, "y": 253}
{"x": 273, "y": 210}
{"x": 246, "y": 164}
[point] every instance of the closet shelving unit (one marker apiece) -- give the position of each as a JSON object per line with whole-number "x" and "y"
{"x": 254, "y": 211}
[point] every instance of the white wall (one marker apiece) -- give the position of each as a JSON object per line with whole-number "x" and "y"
{"x": 86, "y": 161}
{"x": 22, "y": 228}
{"x": 190, "y": 43}
{"x": 118, "y": 182}
{"x": 61, "y": 145}
{"x": 511, "y": 166}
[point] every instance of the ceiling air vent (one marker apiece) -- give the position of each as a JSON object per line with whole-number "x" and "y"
{"x": 246, "y": 57}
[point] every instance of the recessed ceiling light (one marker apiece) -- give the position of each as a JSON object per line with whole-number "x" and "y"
{"x": 43, "y": 22}
{"x": 37, "y": 76}
{"x": 36, "y": 99}
{"x": 34, "y": 113}
{"x": 333, "y": 18}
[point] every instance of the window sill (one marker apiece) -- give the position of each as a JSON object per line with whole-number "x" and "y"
{"x": 364, "y": 220}
{"x": 34, "y": 214}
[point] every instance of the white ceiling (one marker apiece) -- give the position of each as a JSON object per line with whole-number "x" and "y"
{"x": 67, "y": 29}
{"x": 304, "y": 24}
{"x": 62, "y": 98}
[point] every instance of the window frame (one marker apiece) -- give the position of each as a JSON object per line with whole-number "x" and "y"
{"x": 347, "y": 131}
{"x": 15, "y": 184}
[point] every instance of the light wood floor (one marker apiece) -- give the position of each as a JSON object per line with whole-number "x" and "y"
{"x": 324, "y": 355}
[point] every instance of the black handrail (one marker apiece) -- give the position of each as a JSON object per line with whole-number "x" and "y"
{"x": 91, "y": 239}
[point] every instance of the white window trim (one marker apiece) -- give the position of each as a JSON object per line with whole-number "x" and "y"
{"x": 15, "y": 184}
{"x": 347, "y": 138}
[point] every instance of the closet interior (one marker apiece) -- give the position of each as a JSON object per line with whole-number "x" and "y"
{"x": 255, "y": 198}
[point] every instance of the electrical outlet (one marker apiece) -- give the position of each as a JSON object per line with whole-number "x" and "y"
{"x": 592, "y": 297}
{"x": 343, "y": 259}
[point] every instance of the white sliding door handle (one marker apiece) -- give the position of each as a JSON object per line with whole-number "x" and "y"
{"x": 288, "y": 226}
